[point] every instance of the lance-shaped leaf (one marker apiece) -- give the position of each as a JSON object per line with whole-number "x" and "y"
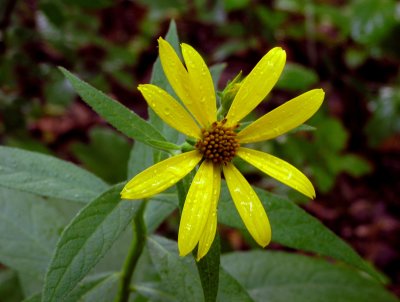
{"x": 31, "y": 226}
{"x": 47, "y": 176}
{"x": 96, "y": 288}
{"x": 177, "y": 273}
{"x": 293, "y": 227}
{"x": 280, "y": 277}
{"x": 85, "y": 241}
{"x": 113, "y": 112}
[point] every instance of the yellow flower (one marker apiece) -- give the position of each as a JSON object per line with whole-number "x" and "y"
{"x": 218, "y": 142}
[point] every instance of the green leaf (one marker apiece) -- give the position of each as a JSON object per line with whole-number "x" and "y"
{"x": 303, "y": 127}
{"x": 113, "y": 112}
{"x": 145, "y": 272}
{"x": 31, "y": 226}
{"x": 154, "y": 291}
{"x": 324, "y": 178}
{"x": 208, "y": 268}
{"x": 31, "y": 282}
{"x": 27, "y": 143}
{"x": 34, "y": 298}
{"x": 140, "y": 158}
{"x": 85, "y": 241}
{"x": 296, "y": 77}
{"x": 293, "y": 227}
{"x": 53, "y": 12}
{"x": 331, "y": 135}
{"x": 106, "y": 155}
{"x": 372, "y": 20}
{"x": 32, "y": 172}
{"x": 178, "y": 274}
{"x": 164, "y": 146}
{"x": 355, "y": 165}
{"x": 98, "y": 288}
{"x": 231, "y": 5}
{"x": 10, "y": 290}
{"x": 230, "y": 289}
{"x": 286, "y": 277}
{"x": 179, "y": 279}
{"x": 159, "y": 208}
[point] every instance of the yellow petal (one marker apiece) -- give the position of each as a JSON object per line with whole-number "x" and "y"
{"x": 248, "y": 205}
{"x": 202, "y": 83}
{"x": 284, "y": 118}
{"x": 197, "y": 207}
{"x": 207, "y": 237}
{"x": 169, "y": 110}
{"x": 161, "y": 176}
{"x": 257, "y": 85}
{"x": 179, "y": 79}
{"x": 278, "y": 169}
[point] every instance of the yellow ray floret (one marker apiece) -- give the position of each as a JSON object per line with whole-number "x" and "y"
{"x": 161, "y": 176}
{"x": 207, "y": 237}
{"x": 284, "y": 118}
{"x": 197, "y": 207}
{"x": 169, "y": 110}
{"x": 257, "y": 85}
{"x": 180, "y": 80}
{"x": 278, "y": 169}
{"x": 204, "y": 87}
{"x": 248, "y": 205}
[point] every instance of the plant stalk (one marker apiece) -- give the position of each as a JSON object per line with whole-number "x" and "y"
{"x": 135, "y": 250}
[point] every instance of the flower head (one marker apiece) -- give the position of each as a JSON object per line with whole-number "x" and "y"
{"x": 218, "y": 142}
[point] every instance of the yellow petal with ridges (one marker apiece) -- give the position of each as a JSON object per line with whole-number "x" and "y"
{"x": 169, "y": 110}
{"x": 207, "y": 237}
{"x": 257, "y": 85}
{"x": 161, "y": 176}
{"x": 278, "y": 169}
{"x": 202, "y": 83}
{"x": 284, "y": 118}
{"x": 248, "y": 205}
{"x": 197, "y": 208}
{"x": 179, "y": 79}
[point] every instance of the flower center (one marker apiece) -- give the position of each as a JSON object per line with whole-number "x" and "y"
{"x": 219, "y": 143}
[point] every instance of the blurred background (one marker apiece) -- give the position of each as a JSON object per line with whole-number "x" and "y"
{"x": 349, "y": 48}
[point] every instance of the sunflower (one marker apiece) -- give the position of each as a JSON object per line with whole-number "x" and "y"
{"x": 218, "y": 142}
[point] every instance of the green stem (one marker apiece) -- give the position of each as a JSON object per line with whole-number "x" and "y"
{"x": 135, "y": 250}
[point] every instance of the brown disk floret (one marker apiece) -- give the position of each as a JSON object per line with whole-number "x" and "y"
{"x": 219, "y": 143}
